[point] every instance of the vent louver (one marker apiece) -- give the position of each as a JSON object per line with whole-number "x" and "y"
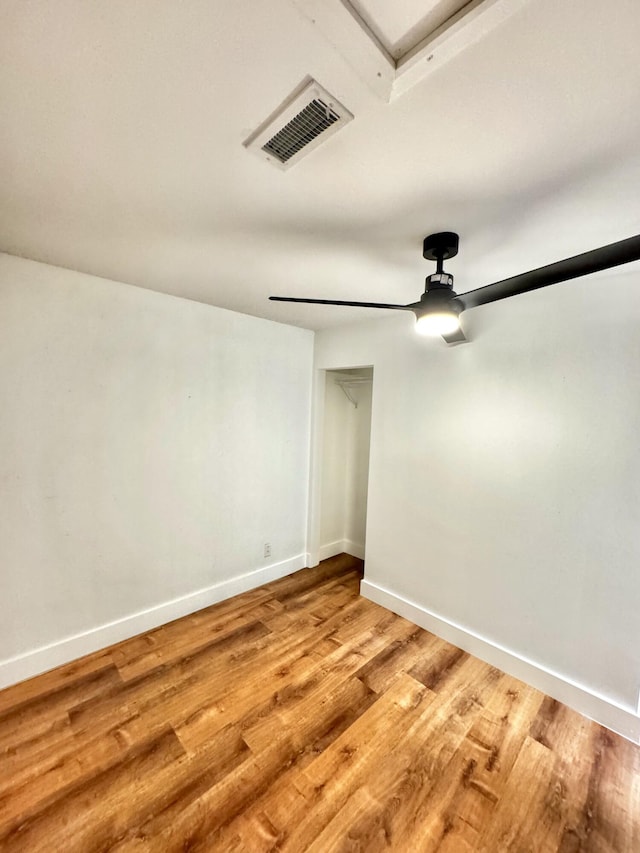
{"x": 306, "y": 119}
{"x": 301, "y": 130}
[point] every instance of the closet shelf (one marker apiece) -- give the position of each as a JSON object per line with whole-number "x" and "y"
{"x": 349, "y": 382}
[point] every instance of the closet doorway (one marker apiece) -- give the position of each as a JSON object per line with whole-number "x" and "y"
{"x": 344, "y": 461}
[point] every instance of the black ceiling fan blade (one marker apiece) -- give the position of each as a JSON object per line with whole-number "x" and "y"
{"x": 341, "y": 302}
{"x": 622, "y": 252}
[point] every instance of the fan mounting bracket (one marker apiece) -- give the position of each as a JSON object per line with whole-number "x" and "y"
{"x": 439, "y": 247}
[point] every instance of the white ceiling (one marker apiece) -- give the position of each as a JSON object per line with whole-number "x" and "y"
{"x": 121, "y": 151}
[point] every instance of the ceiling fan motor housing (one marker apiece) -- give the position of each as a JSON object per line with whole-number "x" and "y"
{"x": 438, "y": 297}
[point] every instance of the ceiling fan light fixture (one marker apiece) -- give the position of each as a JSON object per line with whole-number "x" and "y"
{"x": 433, "y": 325}
{"x": 439, "y": 319}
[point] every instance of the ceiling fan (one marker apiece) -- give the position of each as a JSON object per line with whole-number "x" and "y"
{"x": 438, "y": 309}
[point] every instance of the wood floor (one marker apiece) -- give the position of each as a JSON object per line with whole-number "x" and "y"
{"x": 297, "y": 717}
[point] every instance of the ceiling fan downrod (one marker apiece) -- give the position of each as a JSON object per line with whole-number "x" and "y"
{"x": 440, "y": 247}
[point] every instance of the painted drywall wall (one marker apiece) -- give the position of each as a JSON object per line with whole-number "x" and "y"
{"x": 504, "y": 481}
{"x": 149, "y": 447}
{"x": 357, "y": 472}
{"x": 344, "y": 467}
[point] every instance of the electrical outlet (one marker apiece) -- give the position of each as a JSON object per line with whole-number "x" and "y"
{"x": 267, "y": 549}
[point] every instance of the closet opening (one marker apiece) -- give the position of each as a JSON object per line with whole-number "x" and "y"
{"x": 343, "y": 470}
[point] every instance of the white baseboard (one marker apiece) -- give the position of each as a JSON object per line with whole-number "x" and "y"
{"x": 63, "y": 651}
{"x": 356, "y": 549}
{"x": 331, "y": 549}
{"x": 341, "y": 546}
{"x": 619, "y": 718}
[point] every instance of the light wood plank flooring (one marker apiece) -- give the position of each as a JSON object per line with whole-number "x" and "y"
{"x": 297, "y": 717}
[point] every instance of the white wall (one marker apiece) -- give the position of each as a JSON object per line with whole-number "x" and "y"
{"x": 344, "y": 468}
{"x": 149, "y": 447}
{"x": 357, "y": 469}
{"x": 504, "y": 497}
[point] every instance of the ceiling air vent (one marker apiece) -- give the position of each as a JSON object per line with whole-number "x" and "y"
{"x": 307, "y": 118}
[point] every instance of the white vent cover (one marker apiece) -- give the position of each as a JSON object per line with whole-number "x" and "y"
{"x": 308, "y": 117}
